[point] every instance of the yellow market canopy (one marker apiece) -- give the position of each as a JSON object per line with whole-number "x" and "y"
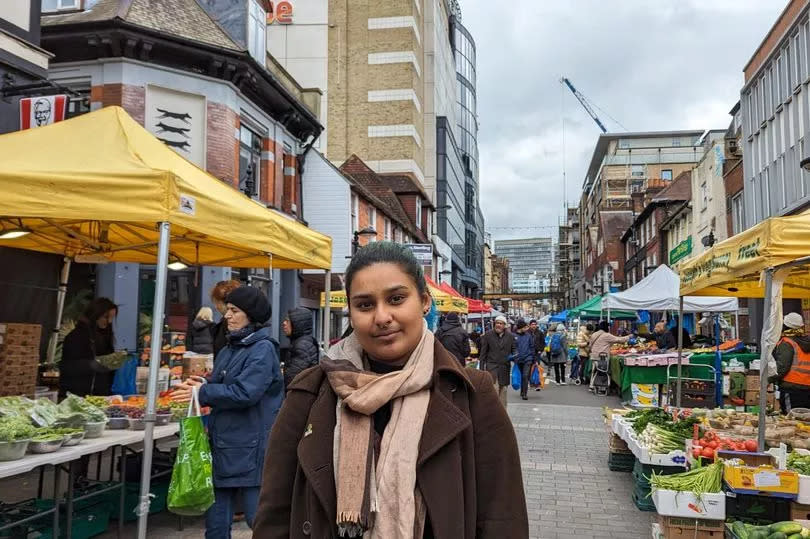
{"x": 734, "y": 267}
{"x": 95, "y": 186}
{"x": 445, "y": 303}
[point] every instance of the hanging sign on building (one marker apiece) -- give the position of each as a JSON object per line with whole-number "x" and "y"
{"x": 178, "y": 120}
{"x": 422, "y": 251}
{"x": 681, "y": 251}
{"x": 280, "y": 12}
{"x": 45, "y": 110}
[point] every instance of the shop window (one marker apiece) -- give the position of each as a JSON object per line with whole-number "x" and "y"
{"x": 371, "y": 215}
{"x": 257, "y": 28}
{"x": 666, "y": 174}
{"x": 387, "y": 229}
{"x": 398, "y": 235}
{"x": 418, "y": 213}
{"x": 58, "y": 5}
{"x": 737, "y": 213}
{"x": 250, "y": 156}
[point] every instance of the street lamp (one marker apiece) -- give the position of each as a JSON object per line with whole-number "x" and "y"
{"x": 366, "y": 233}
{"x": 709, "y": 240}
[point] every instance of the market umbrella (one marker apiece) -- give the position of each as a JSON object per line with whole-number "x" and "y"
{"x": 770, "y": 261}
{"x": 107, "y": 190}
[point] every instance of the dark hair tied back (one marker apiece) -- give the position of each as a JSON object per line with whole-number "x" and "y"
{"x": 98, "y": 308}
{"x": 386, "y": 252}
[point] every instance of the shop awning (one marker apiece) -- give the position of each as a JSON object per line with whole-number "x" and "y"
{"x": 660, "y": 291}
{"x": 445, "y": 303}
{"x": 592, "y": 309}
{"x": 733, "y": 267}
{"x": 95, "y": 186}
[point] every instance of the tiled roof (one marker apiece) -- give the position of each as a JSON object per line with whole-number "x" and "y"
{"x": 679, "y": 190}
{"x": 614, "y": 223}
{"x": 403, "y": 184}
{"x": 181, "y": 18}
{"x": 375, "y": 189}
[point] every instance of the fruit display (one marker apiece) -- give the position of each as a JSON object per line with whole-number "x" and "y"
{"x": 708, "y": 446}
{"x": 97, "y": 401}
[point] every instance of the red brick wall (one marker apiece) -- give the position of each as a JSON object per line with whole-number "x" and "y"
{"x": 409, "y": 203}
{"x": 131, "y": 98}
{"x": 774, "y": 36}
{"x": 288, "y": 185}
{"x": 268, "y": 171}
{"x": 222, "y": 146}
{"x": 734, "y": 183}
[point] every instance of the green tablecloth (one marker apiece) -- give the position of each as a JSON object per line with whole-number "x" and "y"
{"x": 658, "y": 375}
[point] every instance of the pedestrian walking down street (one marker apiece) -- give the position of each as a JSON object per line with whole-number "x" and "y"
{"x": 454, "y": 339}
{"x": 304, "y": 352}
{"x": 245, "y": 393}
{"x": 558, "y": 351}
{"x": 201, "y": 338}
{"x": 219, "y": 331}
{"x": 525, "y": 355}
{"x": 792, "y": 355}
{"x": 583, "y": 353}
{"x": 539, "y": 344}
{"x": 497, "y": 346}
{"x": 601, "y": 341}
{"x": 378, "y": 440}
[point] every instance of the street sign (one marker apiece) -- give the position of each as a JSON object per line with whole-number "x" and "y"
{"x": 422, "y": 251}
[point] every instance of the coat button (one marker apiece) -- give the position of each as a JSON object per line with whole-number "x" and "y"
{"x": 307, "y": 527}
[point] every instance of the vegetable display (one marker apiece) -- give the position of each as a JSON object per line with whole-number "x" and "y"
{"x": 701, "y": 480}
{"x": 15, "y": 428}
{"x": 798, "y": 463}
{"x": 711, "y": 443}
{"x": 76, "y": 404}
{"x": 780, "y": 530}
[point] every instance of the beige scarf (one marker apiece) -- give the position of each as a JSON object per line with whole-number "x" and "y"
{"x": 381, "y": 503}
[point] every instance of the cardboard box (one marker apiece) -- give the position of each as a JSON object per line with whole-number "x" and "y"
{"x": 799, "y": 511}
{"x": 690, "y": 528}
{"x": 644, "y": 395}
{"x": 762, "y": 480}
{"x": 752, "y": 398}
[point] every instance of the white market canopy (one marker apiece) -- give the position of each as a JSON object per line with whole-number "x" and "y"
{"x": 660, "y": 291}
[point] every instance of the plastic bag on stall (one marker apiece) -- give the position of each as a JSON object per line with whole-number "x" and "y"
{"x": 191, "y": 491}
{"x": 516, "y": 376}
{"x": 124, "y": 380}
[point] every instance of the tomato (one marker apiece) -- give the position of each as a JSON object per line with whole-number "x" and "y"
{"x": 712, "y": 444}
{"x": 751, "y": 445}
{"x": 708, "y": 452}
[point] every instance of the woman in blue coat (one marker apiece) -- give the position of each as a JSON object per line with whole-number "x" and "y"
{"x": 245, "y": 392}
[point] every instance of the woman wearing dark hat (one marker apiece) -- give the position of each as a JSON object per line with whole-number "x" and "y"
{"x": 244, "y": 392}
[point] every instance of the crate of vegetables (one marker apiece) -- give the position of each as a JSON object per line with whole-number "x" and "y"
{"x": 799, "y": 462}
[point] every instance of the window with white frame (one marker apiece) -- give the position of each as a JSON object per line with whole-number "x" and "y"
{"x": 387, "y": 229}
{"x": 355, "y": 213}
{"x": 371, "y": 214}
{"x": 58, "y": 5}
{"x": 398, "y": 235}
{"x": 737, "y": 214}
{"x": 418, "y": 213}
{"x": 250, "y": 162}
{"x": 429, "y": 222}
{"x": 257, "y": 29}
{"x": 407, "y": 238}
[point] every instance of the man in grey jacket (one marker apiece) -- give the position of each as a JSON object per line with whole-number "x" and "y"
{"x": 497, "y": 346}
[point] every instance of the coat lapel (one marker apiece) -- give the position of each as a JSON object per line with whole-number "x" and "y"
{"x": 315, "y": 449}
{"x": 444, "y": 420}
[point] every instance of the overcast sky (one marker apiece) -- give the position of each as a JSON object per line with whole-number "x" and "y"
{"x": 652, "y": 65}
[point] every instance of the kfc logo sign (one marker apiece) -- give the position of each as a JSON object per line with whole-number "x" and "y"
{"x": 39, "y": 111}
{"x": 279, "y": 12}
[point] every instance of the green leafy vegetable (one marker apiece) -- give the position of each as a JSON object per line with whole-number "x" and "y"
{"x": 15, "y": 428}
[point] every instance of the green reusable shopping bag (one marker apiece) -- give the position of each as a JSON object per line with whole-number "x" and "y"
{"x": 191, "y": 491}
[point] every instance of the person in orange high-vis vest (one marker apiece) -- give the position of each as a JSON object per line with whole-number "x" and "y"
{"x": 792, "y": 355}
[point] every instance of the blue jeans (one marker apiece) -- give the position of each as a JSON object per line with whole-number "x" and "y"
{"x": 576, "y": 363}
{"x": 219, "y": 517}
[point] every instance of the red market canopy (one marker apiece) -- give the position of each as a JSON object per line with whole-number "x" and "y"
{"x": 475, "y": 305}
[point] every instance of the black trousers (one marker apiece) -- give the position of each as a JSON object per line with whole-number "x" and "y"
{"x": 794, "y": 398}
{"x": 559, "y": 372}
{"x": 525, "y": 371}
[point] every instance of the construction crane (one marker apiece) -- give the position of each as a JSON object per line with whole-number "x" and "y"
{"x": 584, "y": 102}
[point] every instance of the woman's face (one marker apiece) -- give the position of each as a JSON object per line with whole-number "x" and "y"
{"x": 386, "y": 311}
{"x": 106, "y": 319}
{"x": 286, "y": 326}
{"x": 235, "y": 317}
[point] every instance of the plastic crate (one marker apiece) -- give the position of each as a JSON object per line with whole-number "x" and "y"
{"x": 757, "y": 509}
{"x": 88, "y": 522}
{"x": 642, "y": 499}
{"x": 132, "y": 498}
{"x": 647, "y": 470}
{"x": 621, "y": 462}
{"x": 17, "y": 511}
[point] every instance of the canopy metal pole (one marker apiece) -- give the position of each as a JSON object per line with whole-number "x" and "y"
{"x": 718, "y": 364}
{"x": 327, "y": 308}
{"x": 737, "y": 324}
{"x": 60, "y": 307}
{"x": 154, "y": 366}
{"x": 763, "y": 358}
{"x": 680, "y": 351}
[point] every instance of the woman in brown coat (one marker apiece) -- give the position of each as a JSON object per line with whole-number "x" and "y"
{"x": 389, "y": 436}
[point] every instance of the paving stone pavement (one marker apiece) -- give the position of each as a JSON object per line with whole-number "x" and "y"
{"x": 569, "y": 490}
{"x": 563, "y": 448}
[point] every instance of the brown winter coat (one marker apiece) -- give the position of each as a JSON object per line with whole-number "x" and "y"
{"x": 468, "y": 467}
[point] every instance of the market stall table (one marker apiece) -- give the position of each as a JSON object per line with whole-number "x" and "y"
{"x": 110, "y": 439}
